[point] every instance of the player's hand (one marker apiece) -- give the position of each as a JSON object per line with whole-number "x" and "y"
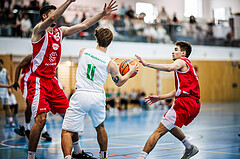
{"x": 110, "y": 7}
{"x": 143, "y": 62}
{"x": 15, "y": 85}
{"x": 151, "y": 99}
{"x": 133, "y": 68}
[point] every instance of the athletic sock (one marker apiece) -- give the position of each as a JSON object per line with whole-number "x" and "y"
{"x": 76, "y": 147}
{"x": 186, "y": 143}
{"x": 27, "y": 126}
{"x": 143, "y": 155}
{"x": 68, "y": 157}
{"x": 44, "y": 129}
{"x": 103, "y": 154}
{"x": 10, "y": 119}
{"x": 31, "y": 155}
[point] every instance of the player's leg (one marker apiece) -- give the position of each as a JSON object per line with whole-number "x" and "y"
{"x": 102, "y": 140}
{"x": 190, "y": 150}
{"x": 35, "y": 132}
{"x": 152, "y": 140}
{"x": 66, "y": 143}
{"x": 8, "y": 114}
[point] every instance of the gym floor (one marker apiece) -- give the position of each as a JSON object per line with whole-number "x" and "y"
{"x": 214, "y": 132}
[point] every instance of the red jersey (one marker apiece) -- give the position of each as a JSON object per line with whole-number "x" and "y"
{"x": 186, "y": 83}
{"x": 47, "y": 53}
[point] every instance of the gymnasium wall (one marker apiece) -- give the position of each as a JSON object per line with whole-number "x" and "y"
{"x": 219, "y": 79}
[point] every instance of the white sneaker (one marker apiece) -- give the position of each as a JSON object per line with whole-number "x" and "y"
{"x": 190, "y": 152}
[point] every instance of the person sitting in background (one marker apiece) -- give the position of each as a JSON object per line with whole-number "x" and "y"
{"x": 26, "y": 26}
{"x": 124, "y": 100}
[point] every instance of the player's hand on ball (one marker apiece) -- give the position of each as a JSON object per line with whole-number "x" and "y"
{"x": 133, "y": 68}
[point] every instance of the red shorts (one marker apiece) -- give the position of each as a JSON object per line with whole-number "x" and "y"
{"x": 183, "y": 111}
{"x": 45, "y": 95}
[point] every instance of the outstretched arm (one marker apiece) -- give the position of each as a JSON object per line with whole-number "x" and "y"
{"x": 26, "y": 61}
{"x": 177, "y": 65}
{"x": 89, "y": 22}
{"x": 117, "y": 78}
{"x": 154, "y": 98}
{"x": 39, "y": 29}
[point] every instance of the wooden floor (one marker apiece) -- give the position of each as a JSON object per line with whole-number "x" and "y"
{"x": 214, "y": 132}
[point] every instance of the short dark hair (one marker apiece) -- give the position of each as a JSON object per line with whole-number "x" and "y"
{"x": 185, "y": 46}
{"x": 46, "y": 10}
{"x": 104, "y": 36}
{"x": 1, "y": 61}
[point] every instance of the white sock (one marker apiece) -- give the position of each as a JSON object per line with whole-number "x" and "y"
{"x": 143, "y": 155}
{"x": 103, "y": 154}
{"x": 10, "y": 119}
{"x": 44, "y": 129}
{"x": 27, "y": 126}
{"x": 68, "y": 157}
{"x": 76, "y": 147}
{"x": 186, "y": 143}
{"x": 31, "y": 155}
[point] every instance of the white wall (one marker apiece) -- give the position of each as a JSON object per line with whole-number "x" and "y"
{"x": 125, "y": 50}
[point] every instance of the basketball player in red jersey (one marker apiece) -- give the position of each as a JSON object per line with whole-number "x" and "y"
{"x": 24, "y": 66}
{"x": 44, "y": 93}
{"x": 186, "y": 106}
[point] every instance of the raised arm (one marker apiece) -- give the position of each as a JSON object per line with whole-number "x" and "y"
{"x": 26, "y": 61}
{"x": 176, "y": 65}
{"x": 89, "y": 22}
{"x": 117, "y": 78}
{"x": 39, "y": 29}
{"x": 154, "y": 98}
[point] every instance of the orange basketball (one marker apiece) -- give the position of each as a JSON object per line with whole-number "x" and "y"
{"x": 123, "y": 67}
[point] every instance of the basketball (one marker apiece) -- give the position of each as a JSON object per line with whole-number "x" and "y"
{"x": 123, "y": 67}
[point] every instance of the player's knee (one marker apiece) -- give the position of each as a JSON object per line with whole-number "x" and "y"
{"x": 100, "y": 126}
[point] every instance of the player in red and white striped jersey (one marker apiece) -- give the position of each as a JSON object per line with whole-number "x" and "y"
{"x": 44, "y": 93}
{"x": 186, "y": 106}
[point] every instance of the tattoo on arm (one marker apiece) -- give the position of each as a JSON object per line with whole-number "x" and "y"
{"x": 115, "y": 79}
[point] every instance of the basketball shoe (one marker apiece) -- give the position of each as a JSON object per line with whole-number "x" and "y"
{"x": 82, "y": 155}
{"x": 46, "y": 137}
{"x": 20, "y": 130}
{"x": 190, "y": 152}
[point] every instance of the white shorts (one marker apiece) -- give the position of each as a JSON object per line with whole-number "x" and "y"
{"x": 80, "y": 104}
{"x": 4, "y": 96}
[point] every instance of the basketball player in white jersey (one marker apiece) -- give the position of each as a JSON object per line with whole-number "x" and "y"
{"x": 4, "y": 96}
{"x": 93, "y": 68}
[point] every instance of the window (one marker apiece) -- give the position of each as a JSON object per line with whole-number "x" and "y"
{"x": 147, "y": 8}
{"x": 193, "y": 7}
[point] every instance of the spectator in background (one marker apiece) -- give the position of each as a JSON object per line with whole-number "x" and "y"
{"x": 13, "y": 104}
{"x": 163, "y": 16}
{"x": 61, "y": 22}
{"x": 133, "y": 97}
{"x": 130, "y": 12}
{"x": 5, "y": 28}
{"x": 175, "y": 20}
{"x": 26, "y": 26}
{"x": 75, "y": 21}
{"x": 45, "y": 3}
{"x": 122, "y": 10}
{"x": 119, "y": 25}
{"x": 124, "y": 100}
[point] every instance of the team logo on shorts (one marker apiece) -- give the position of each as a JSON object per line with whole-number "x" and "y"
{"x": 55, "y": 46}
{"x": 53, "y": 56}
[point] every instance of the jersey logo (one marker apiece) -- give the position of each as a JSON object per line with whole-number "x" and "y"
{"x": 55, "y": 46}
{"x": 53, "y": 56}
{"x": 57, "y": 36}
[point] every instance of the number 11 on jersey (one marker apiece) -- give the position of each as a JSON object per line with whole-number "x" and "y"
{"x": 90, "y": 71}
